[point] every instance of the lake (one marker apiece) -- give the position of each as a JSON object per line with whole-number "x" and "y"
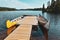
{"x": 54, "y": 30}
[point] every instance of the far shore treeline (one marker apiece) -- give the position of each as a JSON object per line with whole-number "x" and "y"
{"x": 54, "y": 6}
{"x": 7, "y": 9}
{"x": 14, "y": 9}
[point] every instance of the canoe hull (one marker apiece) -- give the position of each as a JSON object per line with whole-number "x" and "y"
{"x": 44, "y": 26}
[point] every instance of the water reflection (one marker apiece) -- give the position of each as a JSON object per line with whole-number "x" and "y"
{"x": 54, "y": 31}
{"x": 3, "y": 34}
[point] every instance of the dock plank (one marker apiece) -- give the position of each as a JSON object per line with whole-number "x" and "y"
{"x": 29, "y": 20}
{"x": 23, "y": 32}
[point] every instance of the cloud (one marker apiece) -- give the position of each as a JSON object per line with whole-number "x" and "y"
{"x": 14, "y": 4}
{"x": 19, "y": 4}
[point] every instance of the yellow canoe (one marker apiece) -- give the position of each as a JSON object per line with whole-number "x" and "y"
{"x": 10, "y": 24}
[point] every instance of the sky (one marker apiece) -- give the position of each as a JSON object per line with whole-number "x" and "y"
{"x": 23, "y": 4}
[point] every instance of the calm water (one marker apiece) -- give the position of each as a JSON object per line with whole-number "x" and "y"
{"x": 54, "y": 30}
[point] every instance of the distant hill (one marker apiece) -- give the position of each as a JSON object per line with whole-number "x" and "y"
{"x": 34, "y": 9}
{"x": 7, "y": 9}
{"x": 14, "y": 9}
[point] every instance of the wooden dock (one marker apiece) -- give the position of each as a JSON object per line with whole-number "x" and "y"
{"x": 23, "y": 31}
